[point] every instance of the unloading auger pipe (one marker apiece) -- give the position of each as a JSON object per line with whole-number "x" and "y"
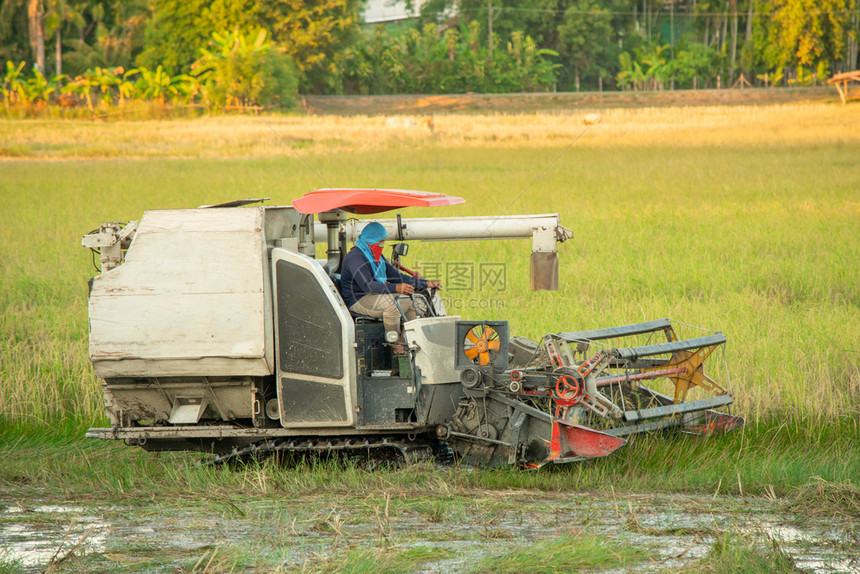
{"x": 545, "y": 230}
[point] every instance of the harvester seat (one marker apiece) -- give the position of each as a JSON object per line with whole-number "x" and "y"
{"x": 357, "y": 317}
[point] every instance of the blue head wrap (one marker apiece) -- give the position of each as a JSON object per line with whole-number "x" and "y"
{"x": 372, "y": 234}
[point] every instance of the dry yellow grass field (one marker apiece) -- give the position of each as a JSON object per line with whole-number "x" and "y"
{"x": 242, "y": 136}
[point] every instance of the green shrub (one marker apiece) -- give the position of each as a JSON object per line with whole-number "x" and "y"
{"x": 242, "y": 70}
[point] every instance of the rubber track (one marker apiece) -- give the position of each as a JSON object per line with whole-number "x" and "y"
{"x": 412, "y": 451}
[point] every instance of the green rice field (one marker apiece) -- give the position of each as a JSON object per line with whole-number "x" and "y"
{"x": 740, "y": 219}
{"x": 758, "y": 239}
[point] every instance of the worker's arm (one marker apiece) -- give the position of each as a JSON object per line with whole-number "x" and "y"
{"x": 395, "y": 276}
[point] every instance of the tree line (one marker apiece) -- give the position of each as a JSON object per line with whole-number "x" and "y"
{"x": 223, "y": 53}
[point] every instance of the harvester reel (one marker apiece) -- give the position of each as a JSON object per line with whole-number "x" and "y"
{"x": 482, "y": 345}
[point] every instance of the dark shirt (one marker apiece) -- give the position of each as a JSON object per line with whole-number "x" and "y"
{"x": 357, "y": 280}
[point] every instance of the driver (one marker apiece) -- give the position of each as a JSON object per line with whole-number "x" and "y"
{"x": 369, "y": 281}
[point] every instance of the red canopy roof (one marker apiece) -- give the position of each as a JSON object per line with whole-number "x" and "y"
{"x": 363, "y": 201}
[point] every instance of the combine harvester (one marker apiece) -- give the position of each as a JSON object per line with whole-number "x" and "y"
{"x": 216, "y": 329}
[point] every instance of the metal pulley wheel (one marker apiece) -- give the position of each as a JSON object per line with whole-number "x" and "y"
{"x": 516, "y": 384}
{"x": 488, "y": 431}
{"x": 273, "y": 410}
{"x": 471, "y": 378}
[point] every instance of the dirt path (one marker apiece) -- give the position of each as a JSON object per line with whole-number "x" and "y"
{"x": 549, "y": 102}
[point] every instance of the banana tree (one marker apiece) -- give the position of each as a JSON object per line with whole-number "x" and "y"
{"x": 40, "y": 88}
{"x": 14, "y": 88}
{"x": 234, "y": 70}
{"x": 159, "y": 86}
{"x": 126, "y": 87}
{"x": 98, "y": 81}
{"x": 648, "y": 71}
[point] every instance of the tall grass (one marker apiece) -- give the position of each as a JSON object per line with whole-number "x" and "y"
{"x": 738, "y": 219}
{"x": 815, "y": 472}
{"x": 733, "y": 552}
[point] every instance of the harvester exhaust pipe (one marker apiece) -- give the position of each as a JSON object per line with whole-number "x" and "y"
{"x": 546, "y": 232}
{"x": 332, "y": 222}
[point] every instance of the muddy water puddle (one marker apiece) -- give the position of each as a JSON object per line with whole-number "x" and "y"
{"x": 674, "y": 531}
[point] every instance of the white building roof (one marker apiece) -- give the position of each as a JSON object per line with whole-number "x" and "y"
{"x": 379, "y": 11}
